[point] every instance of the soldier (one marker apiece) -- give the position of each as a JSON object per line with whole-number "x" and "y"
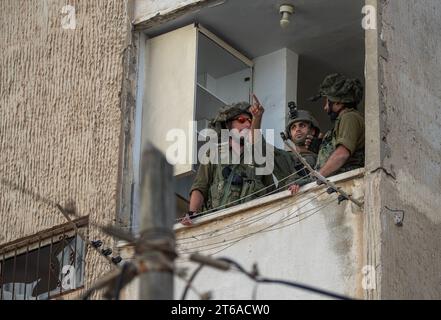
{"x": 342, "y": 148}
{"x": 301, "y": 125}
{"x": 218, "y": 185}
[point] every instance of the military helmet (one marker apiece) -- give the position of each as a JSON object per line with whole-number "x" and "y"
{"x": 229, "y": 112}
{"x": 338, "y": 88}
{"x": 301, "y": 115}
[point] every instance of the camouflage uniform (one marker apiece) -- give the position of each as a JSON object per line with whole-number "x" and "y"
{"x": 220, "y": 183}
{"x": 348, "y": 128}
{"x": 285, "y": 163}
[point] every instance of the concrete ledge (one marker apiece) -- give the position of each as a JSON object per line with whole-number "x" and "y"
{"x": 216, "y": 215}
{"x": 147, "y": 14}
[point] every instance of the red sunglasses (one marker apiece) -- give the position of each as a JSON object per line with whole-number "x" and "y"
{"x": 242, "y": 119}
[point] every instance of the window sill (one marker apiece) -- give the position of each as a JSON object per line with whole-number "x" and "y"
{"x": 357, "y": 173}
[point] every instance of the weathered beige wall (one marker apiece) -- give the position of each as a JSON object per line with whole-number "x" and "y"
{"x": 408, "y": 154}
{"x": 61, "y": 114}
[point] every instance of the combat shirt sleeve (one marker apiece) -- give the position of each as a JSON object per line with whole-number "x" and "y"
{"x": 202, "y": 180}
{"x": 350, "y": 132}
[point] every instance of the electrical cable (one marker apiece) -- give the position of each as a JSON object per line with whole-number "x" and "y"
{"x": 218, "y": 235}
{"x": 284, "y": 282}
{"x": 206, "y": 212}
{"x": 247, "y": 221}
{"x": 250, "y": 235}
{"x": 190, "y": 280}
{"x": 120, "y": 281}
{"x": 286, "y": 186}
{"x": 233, "y": 241}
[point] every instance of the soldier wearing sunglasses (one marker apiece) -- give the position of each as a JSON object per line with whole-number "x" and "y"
{"x": 218, "y": 186}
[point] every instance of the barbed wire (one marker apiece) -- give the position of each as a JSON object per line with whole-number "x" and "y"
{"x": 231, "y": 265}
{"x": 119, "y": 277}
{"x": 65, "y": 213}
{"x": 257, "y": 278}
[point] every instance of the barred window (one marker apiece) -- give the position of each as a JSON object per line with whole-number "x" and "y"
{"x": 43, "y": 266}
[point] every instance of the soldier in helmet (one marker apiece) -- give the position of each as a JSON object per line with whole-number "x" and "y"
{"x": 301, "y": 125}
{"x": 342, "y": 148}
{"x": 217, "y": 185}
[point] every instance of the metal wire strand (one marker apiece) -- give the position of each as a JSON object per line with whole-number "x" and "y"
{"x": 190, "y": 280}
{"x": 206, "y": 212}
{"x": 232, "y": 242}
{"x": 247, "y": 221}
{"x": 261, "y": 230}
{"x": 293, "y": 284}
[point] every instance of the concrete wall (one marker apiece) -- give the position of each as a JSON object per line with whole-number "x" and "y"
{"x": 145, "y": 9}
{"x": 150, "y": 12}
{"x": 308, "y": 238}
{"x": 62, "y": 116}
{"x": 405, "y": 160}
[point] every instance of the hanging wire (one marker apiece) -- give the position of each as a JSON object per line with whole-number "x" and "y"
{"x": 283, "y": 187}
{"x": 120, "y": 281}
{"x": 250, "y": 235}
{"x": 37, "y": 197}
{"x": 253, "y": 219}
{"x": 189, "y": 285}
{"x": 301, "y": 219}
{"x": 245, "y": 221}
{"x": 190, "y": 280}
{"x": 293, "y": 284}
{"x": 207, "y": 212}
{"x": 230, "y": 242}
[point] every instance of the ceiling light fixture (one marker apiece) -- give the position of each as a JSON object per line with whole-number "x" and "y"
{"x": 285, "y": 10}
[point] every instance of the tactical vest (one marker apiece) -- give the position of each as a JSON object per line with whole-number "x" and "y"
{"x": 328, "y": 146}
{"x": 225, "y": 188}
{"x": 311, "y": 158}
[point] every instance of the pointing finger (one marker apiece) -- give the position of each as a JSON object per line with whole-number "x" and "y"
{"x": 255, "y": 100}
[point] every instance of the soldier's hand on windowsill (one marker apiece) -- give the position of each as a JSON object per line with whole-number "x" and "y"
{"x": 294, "y": 189}
{"x": 186, "y": 220}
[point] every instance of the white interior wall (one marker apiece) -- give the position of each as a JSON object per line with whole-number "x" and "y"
{"x": 210, "y": 83}
{"x": 169, "y": 89}
{"x": 233, "y": 87}
{"x": 292, "y": 67}
{"x": 275, "y": 84}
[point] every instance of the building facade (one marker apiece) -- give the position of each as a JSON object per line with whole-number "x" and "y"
{"x": 75, "y": 110}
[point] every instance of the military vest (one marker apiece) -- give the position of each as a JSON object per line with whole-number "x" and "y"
{"x": 285, "y": 164}
{"x": 328, "y": 146}
{"x": 232, "y": 182}
{"x": 311, "y": 158}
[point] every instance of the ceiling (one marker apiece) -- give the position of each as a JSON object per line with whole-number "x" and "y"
{"x": 319, "y": 29}
{"x": 326, "y": 34}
